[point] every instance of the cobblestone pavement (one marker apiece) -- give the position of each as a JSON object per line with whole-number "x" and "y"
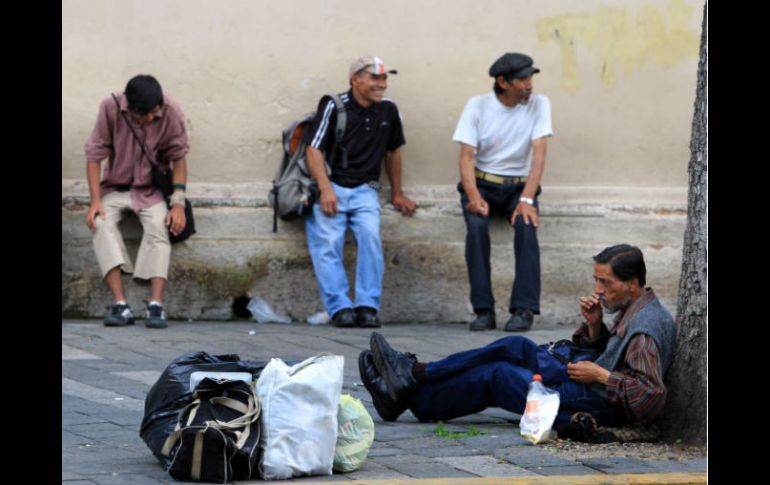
{"x": 106, "y": 373}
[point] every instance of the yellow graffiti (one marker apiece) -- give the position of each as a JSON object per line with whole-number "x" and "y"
{"x": 623, "y": 41}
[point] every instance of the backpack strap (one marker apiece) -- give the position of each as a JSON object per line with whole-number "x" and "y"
{"x": 339, "y": 131}
{"x": 275, "y": 207}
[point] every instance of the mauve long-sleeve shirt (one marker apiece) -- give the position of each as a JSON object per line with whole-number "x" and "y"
{"x": 165, "y": 139}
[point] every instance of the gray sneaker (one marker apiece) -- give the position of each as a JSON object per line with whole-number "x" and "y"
{"x": 120, "y": 315}
{"x": 156, "y": 317}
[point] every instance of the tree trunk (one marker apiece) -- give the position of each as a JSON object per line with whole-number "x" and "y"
{"x": 686, "y": 406}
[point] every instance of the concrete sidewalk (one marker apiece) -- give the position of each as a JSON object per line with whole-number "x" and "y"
{"x": 106, "y": 373}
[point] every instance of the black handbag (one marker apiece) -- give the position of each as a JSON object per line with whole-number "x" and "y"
{"x": 163, "y": 180}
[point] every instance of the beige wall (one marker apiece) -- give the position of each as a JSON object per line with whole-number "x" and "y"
{"x": 620, "y": 75}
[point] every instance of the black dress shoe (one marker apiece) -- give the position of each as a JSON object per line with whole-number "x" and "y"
{"x": 520, "y": 321}
{"x": 367, "y": 317}
{"x": 484, "y": 321}
{"x": 387, "y": 408}
{"x": 394, "y": 367}
{"x": 344, "y": 318}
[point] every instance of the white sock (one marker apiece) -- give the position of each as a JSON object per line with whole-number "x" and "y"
{"x": 120, "y": 302}
{"x": 153, "y": 302}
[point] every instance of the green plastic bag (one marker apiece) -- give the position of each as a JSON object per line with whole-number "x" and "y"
{"x": 355, "y": 434}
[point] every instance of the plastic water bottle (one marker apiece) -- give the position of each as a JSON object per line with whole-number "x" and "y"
{"x": 532, "y": 411}
{"x": 540, "y": 413}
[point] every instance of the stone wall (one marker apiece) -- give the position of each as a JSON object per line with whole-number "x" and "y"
{"x": 235, "y": 252}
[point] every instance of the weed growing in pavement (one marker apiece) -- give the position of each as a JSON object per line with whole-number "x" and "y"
{"x": 442, "y": 432}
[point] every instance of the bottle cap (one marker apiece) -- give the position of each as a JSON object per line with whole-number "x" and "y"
{"x": 537, "y": 377}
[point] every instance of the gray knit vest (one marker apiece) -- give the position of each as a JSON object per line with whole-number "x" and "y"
{"x": 653, "y": 320}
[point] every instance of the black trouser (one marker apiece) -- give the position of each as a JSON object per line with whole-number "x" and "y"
{"x": 502, "y": 200}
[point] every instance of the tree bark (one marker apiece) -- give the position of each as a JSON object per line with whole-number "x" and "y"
{"x": 687, "y": 405}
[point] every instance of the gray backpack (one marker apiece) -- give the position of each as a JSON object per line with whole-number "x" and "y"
{"x": 293, "y": 192}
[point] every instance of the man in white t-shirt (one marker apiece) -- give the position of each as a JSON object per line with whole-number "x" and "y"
{"x": 503, "y": 138}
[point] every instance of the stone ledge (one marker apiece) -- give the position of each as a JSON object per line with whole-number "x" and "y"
{"x": 554, "y": 200}
{"x": 235, "y": 252}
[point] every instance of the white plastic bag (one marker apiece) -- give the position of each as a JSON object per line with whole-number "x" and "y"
{"x": 355, "y": 434}
{"x": 261, "y": 311}
{"x": 299, "y": 416}
{"x": 320, "y": 318}
{"x": 542, "y": 406}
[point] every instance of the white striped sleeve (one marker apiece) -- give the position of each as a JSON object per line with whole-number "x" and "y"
{"x": 323, "y": 125}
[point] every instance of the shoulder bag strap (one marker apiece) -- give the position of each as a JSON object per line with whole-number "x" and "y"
{"x": 141, "y": 144}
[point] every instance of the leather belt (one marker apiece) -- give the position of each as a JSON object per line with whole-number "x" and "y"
{"x": 498, "y": 179}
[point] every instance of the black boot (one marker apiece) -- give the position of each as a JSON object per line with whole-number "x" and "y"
{"x": 387, "y": 408}
{"x": 394, "y": 367}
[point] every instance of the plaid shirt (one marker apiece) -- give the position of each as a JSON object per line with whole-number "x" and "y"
{"x": 637, "y": 384}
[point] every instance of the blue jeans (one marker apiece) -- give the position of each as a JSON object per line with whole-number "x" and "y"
{"x": 525, "y": 293}
{"x": 498, "y": 375}
{"x": 358, "y": 208}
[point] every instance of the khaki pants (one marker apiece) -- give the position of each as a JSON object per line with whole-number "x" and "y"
{"x": 154, "y": 251}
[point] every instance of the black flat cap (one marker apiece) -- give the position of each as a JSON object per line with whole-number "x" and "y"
{"x": 520, "y": 65}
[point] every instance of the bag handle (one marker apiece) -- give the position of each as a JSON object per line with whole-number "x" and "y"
{"x": 241, "y": 425}
{"x": 308, "y": 362}
{"x": 174, "y": 436}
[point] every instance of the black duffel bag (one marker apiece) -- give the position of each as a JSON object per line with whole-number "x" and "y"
{"x": 171, "y": 396}
{"x": 216, "y": 438}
